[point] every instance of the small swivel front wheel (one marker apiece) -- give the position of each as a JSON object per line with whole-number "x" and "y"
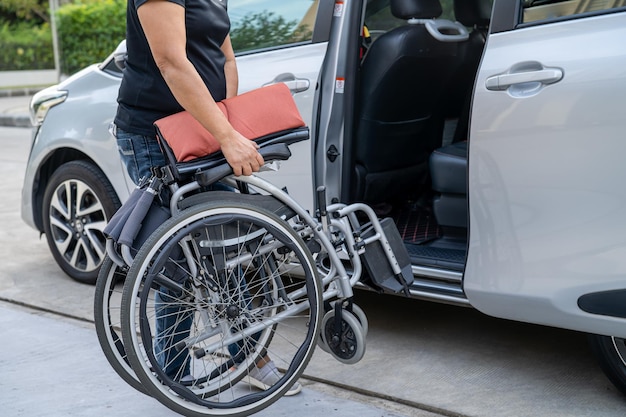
{"x": 343, "y": 338}
{"x": 359, "y": 314}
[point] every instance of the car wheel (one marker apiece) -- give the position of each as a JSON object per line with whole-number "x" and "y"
{"x": 78, "y": 202}
{"x": 611, "y": 354}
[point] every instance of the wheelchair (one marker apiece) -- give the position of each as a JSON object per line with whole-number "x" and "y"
{"x": 201, "y": 285}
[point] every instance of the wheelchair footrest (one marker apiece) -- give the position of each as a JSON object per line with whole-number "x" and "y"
{"x": 377, "y": 265}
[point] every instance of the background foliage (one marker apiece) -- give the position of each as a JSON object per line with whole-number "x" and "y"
{"x": 89, "y": 30}
{"x": 35, "y": 11}
{"x": 25, "y": 35}
{"x": 25, "y": 47}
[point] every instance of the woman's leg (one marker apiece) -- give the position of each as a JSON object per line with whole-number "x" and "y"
{"x": 140, "y": 154}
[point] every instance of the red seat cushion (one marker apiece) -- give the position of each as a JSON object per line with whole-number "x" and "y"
{"x": 254, "y": 114}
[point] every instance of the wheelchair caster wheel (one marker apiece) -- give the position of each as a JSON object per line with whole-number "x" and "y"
{"x": 322, "y": 344}
{"x": 346, "y": 344}
{"x": 360, "y": 315}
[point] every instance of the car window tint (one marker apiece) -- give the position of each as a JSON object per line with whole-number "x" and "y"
{"x": 262, "y": 24}
{"x": 537, "y": 10}
{"x": 378, "y": 17}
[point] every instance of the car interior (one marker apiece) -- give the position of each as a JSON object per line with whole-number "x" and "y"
{"x": 411, "y": 125}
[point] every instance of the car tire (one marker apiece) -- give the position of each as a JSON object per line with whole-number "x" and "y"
{"x": 78, "y": 202}
{"x": 611, "y": 354}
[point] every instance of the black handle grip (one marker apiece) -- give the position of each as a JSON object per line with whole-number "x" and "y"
{"x": 321, "y": 200}
{"x": 276, "y": 152}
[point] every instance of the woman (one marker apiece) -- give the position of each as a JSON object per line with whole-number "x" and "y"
{"x": 180, "y": 57}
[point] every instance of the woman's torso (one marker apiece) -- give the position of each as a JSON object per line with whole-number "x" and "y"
{"x": 144, "y": 96}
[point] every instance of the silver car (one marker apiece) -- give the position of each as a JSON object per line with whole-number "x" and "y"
{"x": 490, "y": 134}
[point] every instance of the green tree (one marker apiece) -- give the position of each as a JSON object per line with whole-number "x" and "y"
{"x": 25, "y": 47}
{"x": 34, "y": 11}
{"x": 265, "y": 29}
{"x": 89, "y": 30}
{"x": 25, "y": 35}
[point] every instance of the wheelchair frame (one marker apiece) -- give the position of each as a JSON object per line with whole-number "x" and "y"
{"x": 340, "y": 234}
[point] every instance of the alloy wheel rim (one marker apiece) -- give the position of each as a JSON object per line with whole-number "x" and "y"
{"x": 77, "y": 219}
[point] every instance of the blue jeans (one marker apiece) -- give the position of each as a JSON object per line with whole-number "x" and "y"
{"x": 139, "y": 153}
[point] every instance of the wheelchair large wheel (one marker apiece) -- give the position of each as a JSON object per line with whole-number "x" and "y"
{"x": 215, "y": 291}
{"x": 107, "y": 303}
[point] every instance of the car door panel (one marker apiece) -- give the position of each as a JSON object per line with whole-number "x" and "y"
{"x": 298, "y": 66}
{"x": 545, "y": 173}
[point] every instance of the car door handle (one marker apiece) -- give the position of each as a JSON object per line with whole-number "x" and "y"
{"x": 296, "y": 85}
{"x": 504, "y": 81}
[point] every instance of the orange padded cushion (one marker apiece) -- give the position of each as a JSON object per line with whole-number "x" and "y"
{"x": 254, "y": 114}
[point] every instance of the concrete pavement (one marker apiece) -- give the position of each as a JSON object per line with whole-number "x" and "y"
{"x": 14, "y": 107}
{"x": 53, "y": 366}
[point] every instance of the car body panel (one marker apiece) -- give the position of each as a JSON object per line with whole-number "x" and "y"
{"x": 87, "y": 135}
{"x": 301, "y": 64}
{"x": 546, "y": 199}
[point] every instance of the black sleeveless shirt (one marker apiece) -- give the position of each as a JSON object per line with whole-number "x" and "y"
{"x": 143, "y": 95}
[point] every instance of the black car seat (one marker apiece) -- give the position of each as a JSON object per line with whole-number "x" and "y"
{"x": 400, "y": 122}
{"x": 448, "y": 165}
{"x": 474, "y": 14}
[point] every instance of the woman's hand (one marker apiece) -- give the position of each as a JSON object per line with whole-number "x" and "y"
{"x": 242, "y": 154}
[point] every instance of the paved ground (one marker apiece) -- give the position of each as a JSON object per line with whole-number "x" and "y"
{"x": 14, "y": 108}
{"x": 53, "y": 366}
{"x": 420, "y": 356}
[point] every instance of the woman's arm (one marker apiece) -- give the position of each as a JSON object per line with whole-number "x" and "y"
{"x": 230, "y": 69}
{"x": 164, "y": 25}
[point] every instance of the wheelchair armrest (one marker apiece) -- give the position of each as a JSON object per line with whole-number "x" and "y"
{"x": 182, "y": 170}
{"x": 274, "y": 152}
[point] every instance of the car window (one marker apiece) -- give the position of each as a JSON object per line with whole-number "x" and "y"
{"x": 262, "y": 24}
{"x": 536, "y": 10}
{"x": 111, "y": 68}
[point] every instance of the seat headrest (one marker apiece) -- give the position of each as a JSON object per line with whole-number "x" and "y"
{"x": 416, "y": 9}
{"x": 473, "y": 13}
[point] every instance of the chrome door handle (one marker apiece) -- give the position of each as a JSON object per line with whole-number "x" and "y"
{"x": 504, "y": 81}
{"x": 296, "y": 85}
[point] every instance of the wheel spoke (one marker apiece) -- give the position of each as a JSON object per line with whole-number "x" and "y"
{"x": 232, "y": 289}
{"x": 61, "y": 202}
{"x": 62, "y": 226}
{"x": 81, "y": 258}
{"x": 62, "y": 241}
{"x": 96, "y": 241}
{"x": 86, "y": 201}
